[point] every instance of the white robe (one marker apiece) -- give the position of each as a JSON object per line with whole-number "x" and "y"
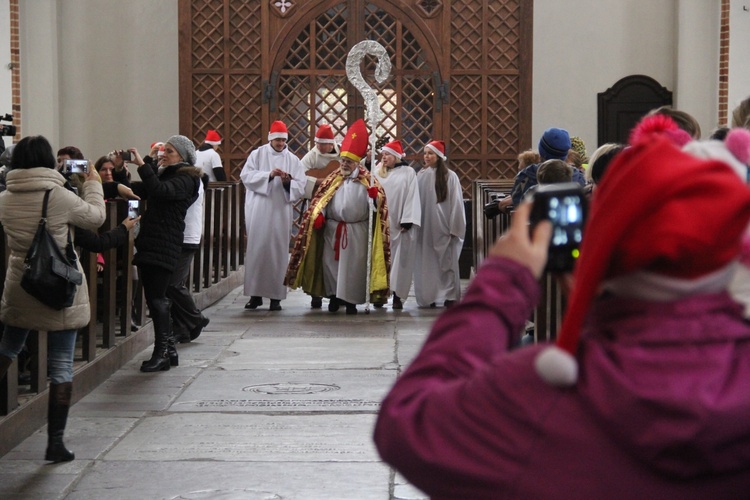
{"x": 346, "y": 278}
{"x": 268, "y": 219}
{"x": 402, "y": 196}
{"x": 439, "y": 242}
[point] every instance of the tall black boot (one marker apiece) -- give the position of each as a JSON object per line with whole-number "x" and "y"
{"x": 174, "y": 359}
{"x": 160, "y": 357}
{"x": 57, "y": 418}
{"x": 5, "y": 363}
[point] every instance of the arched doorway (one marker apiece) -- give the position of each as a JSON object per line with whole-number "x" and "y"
{"x": 311, "y": 86}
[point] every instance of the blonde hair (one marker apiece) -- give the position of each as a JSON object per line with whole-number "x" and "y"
{"x": 528, "y": 157}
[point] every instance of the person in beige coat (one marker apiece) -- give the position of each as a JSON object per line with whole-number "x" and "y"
{"x": 32, "y": 173}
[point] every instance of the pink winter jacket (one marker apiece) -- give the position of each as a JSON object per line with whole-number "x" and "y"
{"x": 661, "y": 408}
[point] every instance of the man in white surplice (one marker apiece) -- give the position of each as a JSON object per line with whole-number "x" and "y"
{"x": 274, "y": 179}
{"x": 399, "y": 181}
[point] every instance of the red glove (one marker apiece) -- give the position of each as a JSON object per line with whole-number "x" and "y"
{"x": 320, "y": 221}
{"x": 372, "y": 192}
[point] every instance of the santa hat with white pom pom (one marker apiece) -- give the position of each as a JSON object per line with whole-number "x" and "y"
{"x": 658, "y": 210}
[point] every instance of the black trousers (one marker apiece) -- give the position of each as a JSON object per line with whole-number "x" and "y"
{"x": 155, "y": 282}
{"x": 185, "y": 315}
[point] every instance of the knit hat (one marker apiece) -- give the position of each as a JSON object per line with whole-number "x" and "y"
{"x": 354, "y": 146}
{"x": 684, "y": 219}
{"x": 438, "y": 147}
{"x": 577, "y": 145}
{"x": 213, "y": 138}
{"x": 394, "y": 148}
{"x": 184, "y": 147}
{"x": 278, "y": 131}
{"x": 324, "y": 135}
{"x": 554, "y": 144}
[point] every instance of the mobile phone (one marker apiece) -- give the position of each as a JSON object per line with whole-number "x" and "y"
{"x": 133, "y": 208}
{"x": 76, "y": 166}
{"x": 566, "y": 206}
{"x": 126, "y": 155}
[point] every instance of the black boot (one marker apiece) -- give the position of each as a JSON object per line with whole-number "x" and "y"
{"x": 57, "y": 418}
{"x": 160, "y": 357}
{"x": 5, "y": 363}
{"x": 174, "y": 359}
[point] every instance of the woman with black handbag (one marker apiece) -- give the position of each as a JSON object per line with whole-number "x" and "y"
{"x": 33, "y": 173}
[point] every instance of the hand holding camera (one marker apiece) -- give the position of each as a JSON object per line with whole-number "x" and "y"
{"x": 492, "y": 208}
{"x": 527, "y": 248}
{"x": 565, "y": 206}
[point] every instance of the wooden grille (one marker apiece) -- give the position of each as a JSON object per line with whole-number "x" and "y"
{"x": 462, "y": 73}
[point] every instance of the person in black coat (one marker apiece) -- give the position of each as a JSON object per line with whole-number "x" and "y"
{"x": 169, "y": 190}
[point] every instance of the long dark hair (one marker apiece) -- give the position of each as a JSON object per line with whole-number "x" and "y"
{"x": 33, "y": 151}
{"x": 441, "y": 180}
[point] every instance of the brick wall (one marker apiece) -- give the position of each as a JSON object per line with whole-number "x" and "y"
{"x": 724, "y": 64}
{"x": 15, "y": 60}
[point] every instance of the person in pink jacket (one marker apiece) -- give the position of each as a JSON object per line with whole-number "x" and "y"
{"x": 646, "y": 392}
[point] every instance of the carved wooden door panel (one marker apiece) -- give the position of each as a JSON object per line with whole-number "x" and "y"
{"x": 462, "y": 73}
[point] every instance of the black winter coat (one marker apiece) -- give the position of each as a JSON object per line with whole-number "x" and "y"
{"x": 168, "y": 195}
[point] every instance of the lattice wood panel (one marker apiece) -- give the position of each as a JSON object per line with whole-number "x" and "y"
{"x": 502, "y": 114}
{"x": 244, "y": 64}
{"x": 466, "y": 34}
{"x": 503, "y": 21}
{"x": 245, "y": 34}
{"x": 207, "y": 36}
{"x": 245, "y": 125}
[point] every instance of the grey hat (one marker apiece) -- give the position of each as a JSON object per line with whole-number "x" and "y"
{"x": 184, "y": 148}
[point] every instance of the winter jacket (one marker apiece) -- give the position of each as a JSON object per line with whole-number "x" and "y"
{"x": 168, "y": 194}
{"x": 661, "y": 408}
{"x": 20, "y": 211}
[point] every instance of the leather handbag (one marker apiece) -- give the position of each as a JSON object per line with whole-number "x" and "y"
{"x": 50, "y": 276}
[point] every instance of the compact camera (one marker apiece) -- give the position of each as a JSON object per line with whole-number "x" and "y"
{"x": 565, "y": 205}
{"x": 76, "y": 166}
{"x": 126, "y": 155}
{"x": 134, "y": 209}
{"x": 491, "y": 209}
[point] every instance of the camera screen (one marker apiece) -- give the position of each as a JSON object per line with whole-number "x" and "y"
{"x": 566, "y": 214}
{"x": 133, "y": 209}
{"x": 76, "y": 166}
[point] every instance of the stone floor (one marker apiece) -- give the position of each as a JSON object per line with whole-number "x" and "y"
{"x": 264, "y": 405}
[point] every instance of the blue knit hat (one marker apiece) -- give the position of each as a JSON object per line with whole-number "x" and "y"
{"x": 554, "y": 144}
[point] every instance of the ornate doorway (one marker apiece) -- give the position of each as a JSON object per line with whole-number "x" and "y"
{"x": 462, "y": 73}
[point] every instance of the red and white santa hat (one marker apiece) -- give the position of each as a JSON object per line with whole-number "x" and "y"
{"x": 278, "y": 131}
{"x": 684, "y": 219}
{"x": 394, "y": 148}
{"x": 438, "y": 147}
{"x": 213, "y": 138}
{"x": 324, "y": 134}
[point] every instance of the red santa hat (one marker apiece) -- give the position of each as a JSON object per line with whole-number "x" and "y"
{"x": 278, "y": 131}
{"x": 394, "y": 148}
{"x": 213, "y": 138}
{"x": 438, "y": 147}
{"x": 355, "y": 143}
{"x": 157, "y": 143}
{"x": 324, "y": 135}
{"x": 658, "y": 209}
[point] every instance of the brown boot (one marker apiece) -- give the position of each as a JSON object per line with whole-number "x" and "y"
{"x": 57, "y": 419}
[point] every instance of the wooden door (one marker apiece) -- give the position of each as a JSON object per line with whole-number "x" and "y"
{"x": 461, "y": 73}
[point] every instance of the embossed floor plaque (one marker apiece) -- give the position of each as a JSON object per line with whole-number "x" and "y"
{"x": 265, "y": 391}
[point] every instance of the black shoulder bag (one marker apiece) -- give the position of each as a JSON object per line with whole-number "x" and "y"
{"x": 49, "y": 276}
